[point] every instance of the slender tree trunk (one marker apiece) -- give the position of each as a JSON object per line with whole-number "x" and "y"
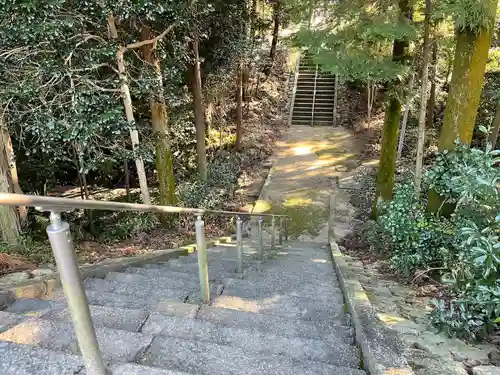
{"x": 127, "y": 179}
{"x": 495, "y": 127}
{"x": 402, "y": 133}
{"x": 85, "y": 188}
{"x": 471, "y": 55}
{"x": 129, "y": 112}
{"x": 10, "y": 225}
{"x": 199, "y": 109}
{"x": 385, "y": 176}
{"x": 431, "y": 104}
{"x": 11, "y": 158}
{"x": 239, "y": 108}
{"x": 159, "y": 122}
{"x": 209, "y": 115}
{"x": 134, "y": 135}
{"x": 276, "y": 29}
{"x": 423, "y": 101}
{"x": 368, "y": 101}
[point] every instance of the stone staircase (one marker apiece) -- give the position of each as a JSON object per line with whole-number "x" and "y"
{"x": 284, "y": 315}
{"x": 313, "y": 104}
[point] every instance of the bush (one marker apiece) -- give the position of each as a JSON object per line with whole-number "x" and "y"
{"x": 223, "y": 174}
{"x": 418, "y": 240}
{"x": 465, "y": 247}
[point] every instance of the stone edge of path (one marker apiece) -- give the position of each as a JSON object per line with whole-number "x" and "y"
{"x": 39, "y": 288}
{"x": 381, "y": 348}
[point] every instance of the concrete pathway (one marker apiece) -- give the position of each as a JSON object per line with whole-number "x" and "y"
{"x": 307, "y": 160}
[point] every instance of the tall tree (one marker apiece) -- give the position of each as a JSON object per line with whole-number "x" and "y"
{"x": 199, "y": 107}
{"x": 495, "y": 127}
{"x": 385, "y": 176}
{"x": 475, "y": 29}
{"x": 159, "y": 122}
{"x": 276, "y": 30}
{"x": 239, "y": 106}
{"x": 471, "y": 56}
{"x": 10, "y": 226}
{"x": 431, "y": 104}
{"x": 423, "y": 100}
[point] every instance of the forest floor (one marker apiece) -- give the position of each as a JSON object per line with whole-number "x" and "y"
{"x": 262, "y": 127}
{"x": 401, "y": 304}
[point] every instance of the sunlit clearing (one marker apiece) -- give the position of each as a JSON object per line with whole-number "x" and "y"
{"x": 292, "y": 202}
{"x": 361, "y": 296}
{"x": 320, "y": 261}
{"x": 390, "y": 319}
{"x": 303, "y": 150}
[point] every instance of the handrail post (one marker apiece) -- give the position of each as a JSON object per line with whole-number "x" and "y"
{"x": 280, "y": 235}
{"x": 261, "y": 239}
{"x": 273, "y": 232}
{"x": 286, "y": 229}
{"x": 202, "y": 260}
{"x": 67, "y": 265}
{"x": 239, "y": 240}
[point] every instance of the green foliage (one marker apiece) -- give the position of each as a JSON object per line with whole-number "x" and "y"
{"x": 465, "y": 247}
{"x": 356, "y": 40}
{"x": 418, "y": 240}
{"x": 128, "y": 225}
{"x": 223, "y": 174}
{"x": 469, "y": 177}
{"x": 467, "y": 14}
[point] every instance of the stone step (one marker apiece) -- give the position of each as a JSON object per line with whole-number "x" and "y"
{"x": 161, "y": 271}
{"x": 7, "y": 320}
{"x": 163, "y": 282}
{"x": 247, "y": 338}
{"x": 287, "y": 306}
{"x": 115, "y": 345}
{"x": 208, "y": 359}
{"x": 315, "y": 123}
{"x": 268, "y": 323}
{"x": 133, "y": 369}
{"x": 103, "y": 316}
{"x": 28, "y": 360}
{"x": 155, "y": 303}
{"x": 137, "y": 290}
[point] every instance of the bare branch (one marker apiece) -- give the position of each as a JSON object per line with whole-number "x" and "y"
{"x": 154, "y": 40}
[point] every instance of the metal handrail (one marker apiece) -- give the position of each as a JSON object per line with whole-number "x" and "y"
{"x": 64, "y": 204}
{"x": 64, "y": 253}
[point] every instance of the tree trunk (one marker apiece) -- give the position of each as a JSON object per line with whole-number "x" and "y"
{"x": 431, "y": 104}
{"x": 471, "y": 55}
{"x": 10, "y": 225}
{"x": 127, "y": 179}
{"x": 159, "y": 122}
{"x": 134, "y": 135}
{"x": 85, "y": 188}
{"x": 495, "y": 127}
{"x": 239, "y": 105}
{"x": 276, "y": 29}
{"x": 385, "y": 176}
{"x": 209, "y": 115}
{"x": 199, "y": 109}
{"x": 11, "y": 158}
{"x": 129, "y": 112}
{"x": 423, "y": 101}
{"x": 402, "y": 133}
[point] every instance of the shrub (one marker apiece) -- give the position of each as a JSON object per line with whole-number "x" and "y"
{"x": 418, "y": 240}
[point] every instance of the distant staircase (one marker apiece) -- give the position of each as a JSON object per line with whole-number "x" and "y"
{"x": 314, "y": 97}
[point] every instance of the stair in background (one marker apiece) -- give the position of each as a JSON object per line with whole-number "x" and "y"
{"x": 314, "y": 97}
{"x": 282, "y": 316}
